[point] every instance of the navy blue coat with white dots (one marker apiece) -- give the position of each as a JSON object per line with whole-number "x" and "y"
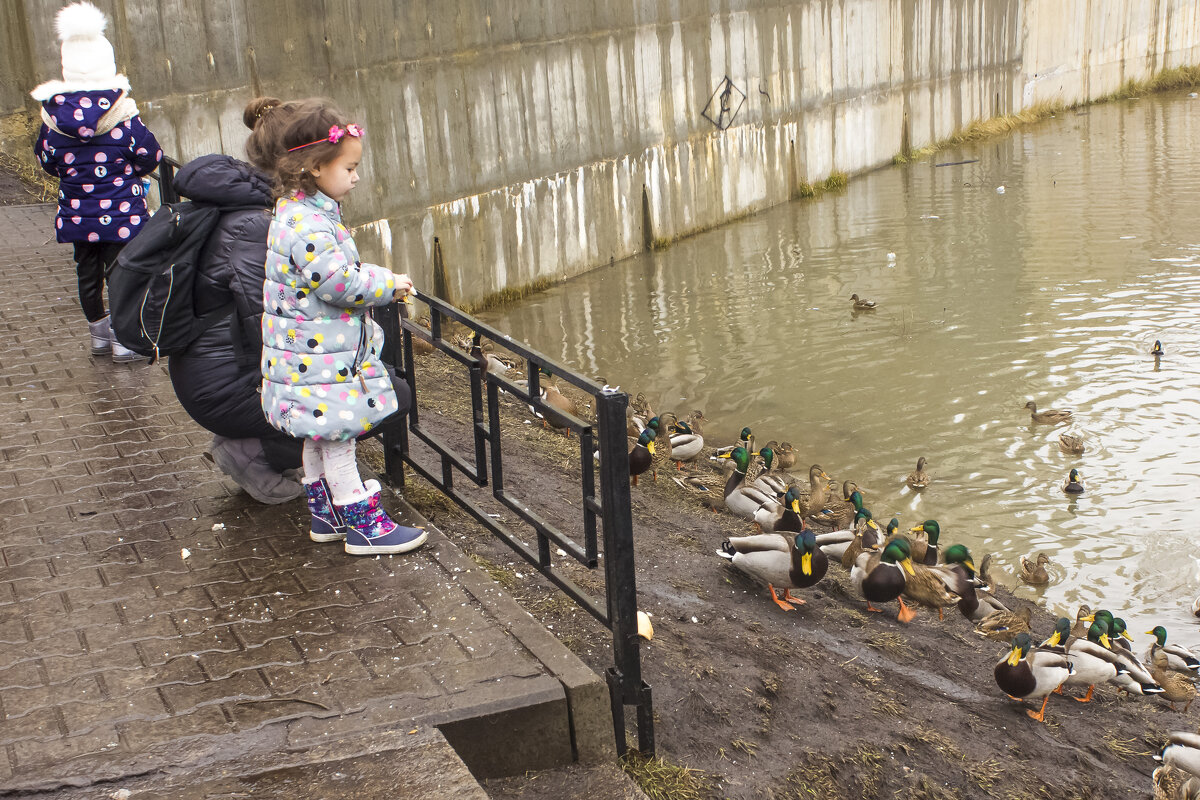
{"x": 99, "y": 159}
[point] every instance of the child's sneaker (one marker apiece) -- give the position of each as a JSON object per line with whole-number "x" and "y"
{"x": 101, "y": 333}
{"x": 326, "y": 525}
{"x": 370, "y": 531}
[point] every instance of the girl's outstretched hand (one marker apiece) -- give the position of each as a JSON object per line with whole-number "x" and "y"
{"x": 404, "y": 287}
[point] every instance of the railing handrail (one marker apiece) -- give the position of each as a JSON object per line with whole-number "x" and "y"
{"x": 165, "y": 176}
{"x": 612, "y": 507}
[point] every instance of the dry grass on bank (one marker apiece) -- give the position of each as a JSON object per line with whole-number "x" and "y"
{"x": 1168, "y": 80}
{"x": 41, "y": 186}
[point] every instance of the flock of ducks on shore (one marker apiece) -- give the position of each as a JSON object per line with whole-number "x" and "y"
{"x": 802, "y": 532}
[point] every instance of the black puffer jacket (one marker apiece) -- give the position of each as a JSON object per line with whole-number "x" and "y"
{"x": 217, "y": 378}
{"x": 231, "y": 267}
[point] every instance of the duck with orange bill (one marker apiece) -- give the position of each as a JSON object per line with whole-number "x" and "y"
{"x": 880, "y": 577}
{"x": 1031, "y": 673}
{"x": 778, "y": 561}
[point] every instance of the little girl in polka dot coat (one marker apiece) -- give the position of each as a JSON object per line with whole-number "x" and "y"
{"x": 94, "y": 142}
{"x": 323, "y": 380}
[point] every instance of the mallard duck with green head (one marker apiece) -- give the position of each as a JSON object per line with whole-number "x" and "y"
{"x": 1050, "y": 416}
{"x": 785, "y": 516}
{"x": 1096, "y": 661}
{"x": 798, "y": 565}
{"x": 866, "y": 537}
{"x": 1119, "y": 636}
{"x": 642, "y": 454}
{"x": 880, "y": 577}
{"x": 686, "y": 444}
{"x": 842, "y": 517}
{"x": 1028, "y": 674}
{"x": 745, "y": 441}
{"x": 1157, "y": 350}
{"x": 1179, "y": 658}
{"x": 772, "y": 479}
{"x": 976, "y": 599}
{"x": 1074, "y": 483}
{"x": 741, "y": 499}
{"x": 925, "y": 547}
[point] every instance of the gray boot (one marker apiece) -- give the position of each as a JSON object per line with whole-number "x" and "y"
{"x": 244, "y": 461}
{"x": 101, "y": 331}
{"x": 121, "y": 354}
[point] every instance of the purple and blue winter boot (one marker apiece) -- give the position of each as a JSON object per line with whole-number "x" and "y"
{"x": 370, "y": 531}
{"x": 327, "y": 525}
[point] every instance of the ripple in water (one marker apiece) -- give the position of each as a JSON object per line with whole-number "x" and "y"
{"x": 1053, "y": 291}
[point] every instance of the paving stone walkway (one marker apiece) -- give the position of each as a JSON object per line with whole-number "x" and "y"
{"x": 157, "y": 622}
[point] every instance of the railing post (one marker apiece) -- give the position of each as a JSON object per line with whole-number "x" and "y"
{"x": 166, "y": 180}
{"x": 625, "y": 677}
{"x": 395, "y": 435}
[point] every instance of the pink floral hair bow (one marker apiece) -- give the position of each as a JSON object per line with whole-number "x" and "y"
{"x": 336, "y": 132}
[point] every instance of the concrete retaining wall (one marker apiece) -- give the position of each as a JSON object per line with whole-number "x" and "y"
{"x": 540, "y": 138}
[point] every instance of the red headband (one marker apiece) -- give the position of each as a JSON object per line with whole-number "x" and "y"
{"x": 336, "y": 132}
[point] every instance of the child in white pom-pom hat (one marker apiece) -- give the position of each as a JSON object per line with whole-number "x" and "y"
{"x": 94, "y": 142}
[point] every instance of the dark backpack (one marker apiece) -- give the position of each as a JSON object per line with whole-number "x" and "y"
{"x": 150, "y": 286}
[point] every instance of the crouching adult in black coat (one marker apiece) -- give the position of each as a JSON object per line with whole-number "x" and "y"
{"x": 217, "y": 379}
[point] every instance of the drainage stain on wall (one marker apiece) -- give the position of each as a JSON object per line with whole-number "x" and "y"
{"x": 541, "y": 146}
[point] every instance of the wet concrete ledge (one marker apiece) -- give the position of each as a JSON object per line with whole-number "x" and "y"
{"x": 256, "y": 658}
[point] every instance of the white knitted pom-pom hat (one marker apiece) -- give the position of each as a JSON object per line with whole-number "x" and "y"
{"x": 87, "y": 57}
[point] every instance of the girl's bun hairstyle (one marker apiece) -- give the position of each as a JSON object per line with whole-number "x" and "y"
{"x": 257, "y": 108}
{"x": 266, "y": 117}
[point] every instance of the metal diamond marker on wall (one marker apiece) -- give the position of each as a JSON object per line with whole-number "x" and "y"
{"x": 724, "y": 104}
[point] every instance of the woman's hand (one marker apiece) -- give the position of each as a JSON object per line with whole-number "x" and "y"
{"x": 404, "y": 287}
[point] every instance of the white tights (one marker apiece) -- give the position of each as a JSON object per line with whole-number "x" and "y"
{"x": 336, "y": 462}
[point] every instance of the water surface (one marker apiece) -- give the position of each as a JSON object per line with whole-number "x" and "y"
{"x": 1044, "y": 270}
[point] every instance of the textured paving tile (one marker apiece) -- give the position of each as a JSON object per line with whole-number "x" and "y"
{"x": 118, "y": 655}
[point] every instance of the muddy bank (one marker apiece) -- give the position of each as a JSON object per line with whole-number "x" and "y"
{"x": 826, "y": 701}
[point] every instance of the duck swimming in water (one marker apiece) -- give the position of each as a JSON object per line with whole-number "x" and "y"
{"x": 1034, "y": 572}
{"x": 1051, "y": 416}
{"x": 862, "y": 304}
{"x": 1070, "y": 443}
{"x": 918, "y": 478}
{"x": 1074, "y": 483}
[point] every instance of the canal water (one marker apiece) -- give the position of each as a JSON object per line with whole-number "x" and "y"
{"x": 1043, "y": 269}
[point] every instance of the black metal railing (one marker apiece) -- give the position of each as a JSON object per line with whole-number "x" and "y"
{"x": 485, "y": 466}
{"x": 165, "y": 176}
